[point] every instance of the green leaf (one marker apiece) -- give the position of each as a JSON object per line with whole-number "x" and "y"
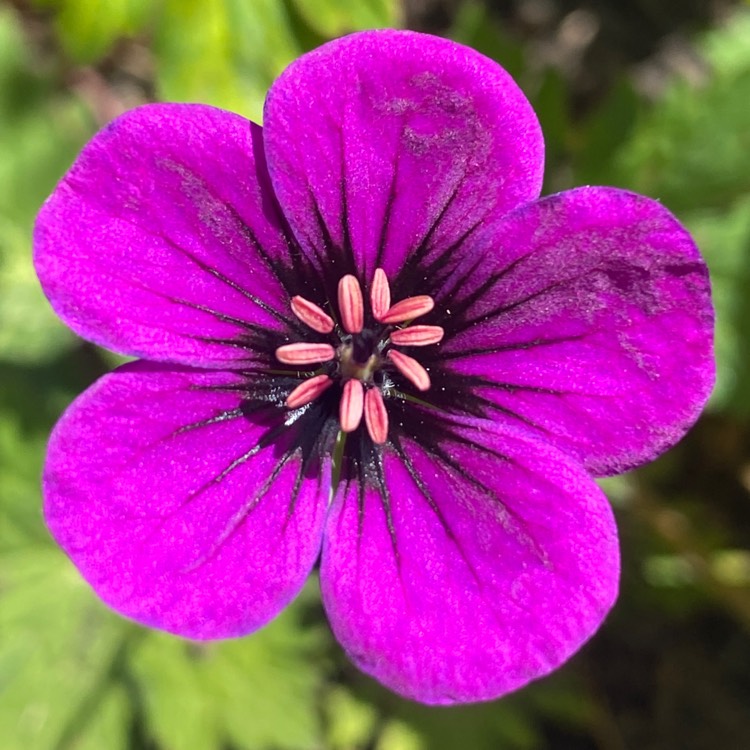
{"x": 89, "y": 28}
{"x": 180, "y": 714}
{"x": 58, "y": 650}
{"x": 222, "y": 52}
{"x": 350, "y": 721}
{"x": 255, "y": 692}
{"x": 331, "y": 18}
{"x": 597, "y": 141}
{"x": 108, "y": 726}
{"x": 481, "y": 727}
{"x": 550, "y": 103}
{"x": 693, "y": 149}
{"x": 30, "y": 401}
{"x": 20, "y": 469}
{"x": 475, "y": 27}
{"x": 398, "y": 735}
{"x": 40, "y": 133}
{"x": 724, "y": 238}
{"x": 57, "y": 643}
{"x": 727, "y": 48}
{"x": 508, "y": 723}
{"x": 29, "y": 329}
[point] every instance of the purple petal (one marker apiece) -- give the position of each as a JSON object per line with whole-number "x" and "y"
{"x": 592, "y": 324}
{"x": 391, "y": 143}
{"x": 484, "y": 561}
{"x": 163, "y": 237}
{"x": 176, "y": 507}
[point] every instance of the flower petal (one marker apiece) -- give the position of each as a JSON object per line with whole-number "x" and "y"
{"x": 478, "y": 560}
{"x": 591, "y": 324}
{"x": 163, "y": 239}
{"x": 387, "y": 144}
{"x": 177, "y": 506}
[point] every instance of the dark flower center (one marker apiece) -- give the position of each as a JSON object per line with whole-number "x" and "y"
{"x": 365, "y": 357}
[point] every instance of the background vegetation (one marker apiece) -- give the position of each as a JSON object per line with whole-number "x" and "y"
{"x": 652, "y": 95}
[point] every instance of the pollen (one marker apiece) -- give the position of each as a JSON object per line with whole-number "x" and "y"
{"x": 360, "y": 355}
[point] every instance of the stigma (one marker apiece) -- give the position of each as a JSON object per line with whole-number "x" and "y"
{"x": 362, "y": 358}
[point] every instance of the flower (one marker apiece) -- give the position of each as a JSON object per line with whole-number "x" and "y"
{"x": 286, "y": 402}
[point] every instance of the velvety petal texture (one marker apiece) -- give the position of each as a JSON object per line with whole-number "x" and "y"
{"x": 465, "y": 548}
{"x": 590, "y": 322}
{"x": 180, "y": 510}
{"x": 482, "y": 560}
{"x": 163, "y": 240}
{"x": 388, "y": 143}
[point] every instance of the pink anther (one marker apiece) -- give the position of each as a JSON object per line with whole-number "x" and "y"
{"x": 408, "y": 309}
{"x": 380, "y": 294}
{"x": 410, "y": 369}
{"x": 417, "y": 336}
{"x": 351, "y": 305}
{"x": 376, "y": 416}
{"x": 352, "y": 405}
{"x": 303, "y": 353}
{"x": 312, "y": 315}
{"x": 308, "y": 391}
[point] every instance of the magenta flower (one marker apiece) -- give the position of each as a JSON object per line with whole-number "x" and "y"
{"x": 364, "y": 337}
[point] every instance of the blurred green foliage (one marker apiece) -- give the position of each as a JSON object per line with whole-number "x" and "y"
{"x": 693, "y": 152}
{"x": 40, "y": 133}
{"x": 74, "y": 676}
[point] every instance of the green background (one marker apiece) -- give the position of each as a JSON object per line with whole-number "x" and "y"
{"x": 648, "y": 95}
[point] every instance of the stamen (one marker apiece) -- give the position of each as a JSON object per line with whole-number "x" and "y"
{"x": 410, "y": 369}
{"x": 408, "y": 309}
{"x": 303, "y": 353}
{"x": 359, "y": 357}
{"x": 376, "y": 416}
{"x": 351, "y": 406}
{"x": 417, "y": 336}
{"x": 351, "y": 305}
{"x": 312, "y": 315}
{"x": 380, "y": 294}
{"x": 308, "y": 391}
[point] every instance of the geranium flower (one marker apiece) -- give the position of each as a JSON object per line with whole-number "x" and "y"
{"x": 360, "y": 331}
